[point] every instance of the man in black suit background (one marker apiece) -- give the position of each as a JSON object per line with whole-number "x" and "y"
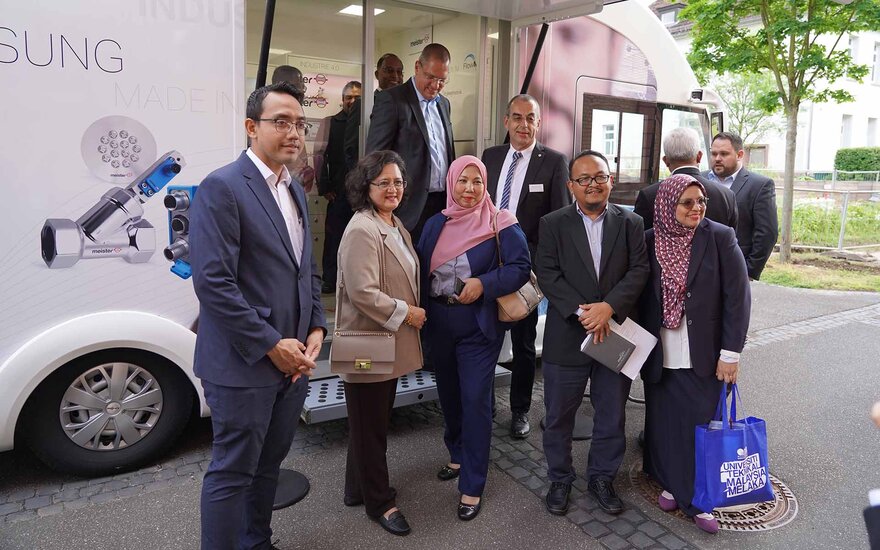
{"x": 758, "y": 224}
{"x": 389, "y": 73}
{"x": 682, "y": 155}
{"x": 413, "y": 120}
{"x": 528, "y": 179}
{"x": 331, "y": 186}
{"x": 592, "y": 265}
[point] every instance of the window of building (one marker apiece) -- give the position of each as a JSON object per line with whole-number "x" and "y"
{"x": 669, "y": 17}
{"x": 875, "y": 67}
{"x": 854, "y": 47}
{"x": 871, "y": 140}
{"x": 609, "y": 139}
{"x": 757, "y": 155}
{"x": 846, "y": 131}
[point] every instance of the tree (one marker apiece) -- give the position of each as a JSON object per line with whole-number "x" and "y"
{"x": 798, "y": 42}
{"x": 751, "y": 104}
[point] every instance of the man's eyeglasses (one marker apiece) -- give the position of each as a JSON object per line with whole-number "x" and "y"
{"x": 528, "y": 121}
{"x": 689, "y": 203}
{"x": 584, "y": 181}
{"x": 283, "y": 126}
{"x": 385, "y": 185}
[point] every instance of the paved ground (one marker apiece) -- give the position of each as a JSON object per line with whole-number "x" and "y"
{"x": 810, "y": 371}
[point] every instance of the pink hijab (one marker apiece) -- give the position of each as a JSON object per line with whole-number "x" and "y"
{"x": 467, "y": 227}
{"x": 672, "y": 245}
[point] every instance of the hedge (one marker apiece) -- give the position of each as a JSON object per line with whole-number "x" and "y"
{"x": 857, "y": 159}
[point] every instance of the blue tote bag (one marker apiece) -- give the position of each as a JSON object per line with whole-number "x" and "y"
{"x": 732, "y": 467}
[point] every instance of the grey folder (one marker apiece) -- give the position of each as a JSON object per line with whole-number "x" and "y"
{"x": 613, "y": 352}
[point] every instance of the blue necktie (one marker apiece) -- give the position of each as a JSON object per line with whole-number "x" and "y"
{"x": 508, "y": 181}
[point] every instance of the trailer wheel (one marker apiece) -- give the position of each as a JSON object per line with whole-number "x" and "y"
{"x": 107, "y": 412}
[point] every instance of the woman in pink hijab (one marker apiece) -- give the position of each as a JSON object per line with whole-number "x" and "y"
{"x": 697, "y": 303}
{"x": 461, "y": 279}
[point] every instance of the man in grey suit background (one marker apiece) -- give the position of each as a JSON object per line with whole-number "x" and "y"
{"x": 682, "y": 155}
{"x": 592, "y": 265}
{"x": 758, "y": 226}
{"x": 413, "y": 120}
{"x": 261, "y": 323}
{"x": 528, "y": 179}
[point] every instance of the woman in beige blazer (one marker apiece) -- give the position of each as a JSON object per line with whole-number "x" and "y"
{"x": 375, "y": 187}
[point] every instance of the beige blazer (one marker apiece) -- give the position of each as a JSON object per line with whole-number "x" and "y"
{"x": 364, "y": 306}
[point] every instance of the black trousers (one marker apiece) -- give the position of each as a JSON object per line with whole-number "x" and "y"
{"x": 366, "y": 468}
{"x": 338, "y": 215}
{"x": 522, "y": 378}
{"x": 564, "y": 387}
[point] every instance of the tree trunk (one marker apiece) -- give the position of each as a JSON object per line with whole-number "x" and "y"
{"x": 791, "y": 118}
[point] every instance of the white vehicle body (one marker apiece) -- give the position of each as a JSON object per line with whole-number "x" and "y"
{"x": 174, "y": 74}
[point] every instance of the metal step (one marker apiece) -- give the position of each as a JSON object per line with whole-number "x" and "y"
{"x": 326, "y": 398}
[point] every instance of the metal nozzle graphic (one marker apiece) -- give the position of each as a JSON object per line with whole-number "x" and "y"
{"x": 114, "y": 227}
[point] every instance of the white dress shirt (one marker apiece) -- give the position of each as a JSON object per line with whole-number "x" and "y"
{"x": 594, "y": 231}
{"x": 519, "y": 176}
{"x": 677, "y": 351}
{"x": 281, "y": 193}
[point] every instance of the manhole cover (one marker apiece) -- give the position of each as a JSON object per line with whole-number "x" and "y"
{"x": 763, "y": 516}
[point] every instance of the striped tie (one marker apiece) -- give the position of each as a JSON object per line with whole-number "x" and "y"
{"x": 508, "y": 181}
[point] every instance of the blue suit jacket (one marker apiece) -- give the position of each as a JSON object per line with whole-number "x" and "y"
{"x": 718, "y": 300}
{"x": 251, "y": 290}
{"x": 483, "y": 259}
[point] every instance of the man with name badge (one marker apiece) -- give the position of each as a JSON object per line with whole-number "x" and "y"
{"x": 529, "y": 179}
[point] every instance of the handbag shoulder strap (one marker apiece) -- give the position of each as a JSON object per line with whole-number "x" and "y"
{"x": 382, "y": 279}
{"x": 497, "y": 237}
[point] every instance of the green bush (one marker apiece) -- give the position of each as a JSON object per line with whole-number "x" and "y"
{"x": 857, "y": 159}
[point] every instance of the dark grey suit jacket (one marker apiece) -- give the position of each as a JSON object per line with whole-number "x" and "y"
{"x": 565, "y": 273}
{"x": 547, "y": 168}
{"x": 758, "y": 225}
{"x": 717, "y": 303}
{"x": 397, "y": 124}
{"x": 252, "y": 291}
{"x": 722, "y": 201}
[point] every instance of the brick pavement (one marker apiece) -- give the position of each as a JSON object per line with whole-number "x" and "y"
{"x": 522, "y": 460}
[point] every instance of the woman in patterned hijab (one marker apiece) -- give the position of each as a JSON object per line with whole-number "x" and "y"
{"x": 697, "y": 304}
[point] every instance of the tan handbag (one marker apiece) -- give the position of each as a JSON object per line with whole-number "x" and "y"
{"x": 517, "y": 305}
{"x": 362, "y": 351}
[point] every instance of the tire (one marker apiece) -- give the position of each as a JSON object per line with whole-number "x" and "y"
{"x": 115, "y": 419}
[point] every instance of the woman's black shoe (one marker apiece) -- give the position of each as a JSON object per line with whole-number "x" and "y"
{"x": 467, "y": 512}
{"x": 395, "y": 524}
{"x": 446, "y": 473}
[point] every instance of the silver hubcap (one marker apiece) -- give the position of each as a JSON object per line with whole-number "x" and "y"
{"x": 111, "y": 406}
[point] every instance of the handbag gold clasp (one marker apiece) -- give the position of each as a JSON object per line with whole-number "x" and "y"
{"x": 363, "y": 364}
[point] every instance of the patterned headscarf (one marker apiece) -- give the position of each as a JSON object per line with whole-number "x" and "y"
{"x": 672, "y": 244}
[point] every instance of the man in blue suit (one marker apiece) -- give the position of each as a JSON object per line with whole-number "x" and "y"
{"x": 261, "y": 322}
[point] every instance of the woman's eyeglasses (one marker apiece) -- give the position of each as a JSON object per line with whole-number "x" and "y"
{"x": 385, "y": 185}
{"x": 689, "y": 203}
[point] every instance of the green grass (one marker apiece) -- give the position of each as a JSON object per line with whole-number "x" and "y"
{"x": 820, "y": 272}
{"x": 817, "y": 222}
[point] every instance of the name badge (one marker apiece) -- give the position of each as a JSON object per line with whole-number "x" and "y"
{"x": 536, "y": 188}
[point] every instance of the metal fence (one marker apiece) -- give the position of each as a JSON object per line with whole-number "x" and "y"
{"x": 841, "y": 215}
